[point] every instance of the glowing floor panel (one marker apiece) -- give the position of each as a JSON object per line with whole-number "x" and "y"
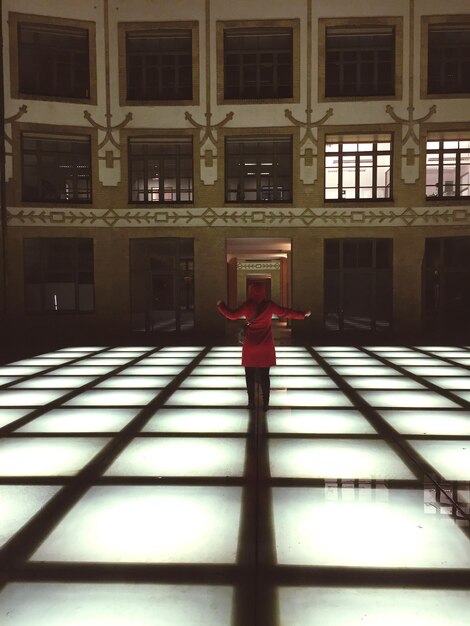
{"x": 371, "y": 606}
{"x": 420, "y": 422}
{"x": 137, "y": 488}
{"x": 81, "y": 604}
{"x": 310, "y": 529}
{"x": 323, "y": 458}
{"x": 80, "y": 420}
{"x": 198, "y": 421}
{"x": 10, "y": 415}
{"x": 305, "y": 421}
{"x": 18, "y": 504}
{"x": 181, "y": 457}
{"x": 148, "y": 525}
{"x": 450, "y": 458}
{"x": 47, "y": 457}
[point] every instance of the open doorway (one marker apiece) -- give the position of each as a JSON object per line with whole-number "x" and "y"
{"x": 260, "y": 259}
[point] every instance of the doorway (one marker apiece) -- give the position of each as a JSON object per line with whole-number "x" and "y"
{"x": 260, "y": 259}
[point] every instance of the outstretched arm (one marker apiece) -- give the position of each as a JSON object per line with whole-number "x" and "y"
{"x": 281, "y": 311}
{"x": 231, "y": 314}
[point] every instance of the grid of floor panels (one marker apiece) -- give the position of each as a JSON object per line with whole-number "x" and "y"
{"x": 136, "y": 488}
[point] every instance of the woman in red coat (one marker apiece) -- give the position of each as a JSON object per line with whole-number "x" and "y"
{"x": 258, "y": 353}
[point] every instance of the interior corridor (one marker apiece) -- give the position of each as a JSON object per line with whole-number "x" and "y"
{"x": 136, "y": 488}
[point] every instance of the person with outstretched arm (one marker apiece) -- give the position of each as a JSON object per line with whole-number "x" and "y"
{"x": 258, "y": 353}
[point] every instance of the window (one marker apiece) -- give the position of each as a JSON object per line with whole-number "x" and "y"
{"x": 358, "y": 168}
{"x": 159, "y": 64}
{"x": 162, "y": 284}
{"x": 53, "y": 61}
{"x": 59, "y": 275}
{"x": 446, "y": 288}
{"x": 258, "y": 170}
{"x": 258, "y": 63}
{"x": 161, "y": 170}
{"x": 56, "y": 168}
{"x": 360, "y": 62}
{"x": 448, "y": 59}
{"x": 447, "y": 167}
{"x": 358, "y": 284}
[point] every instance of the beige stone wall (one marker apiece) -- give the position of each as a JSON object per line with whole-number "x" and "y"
{"x": 109, "y": 121}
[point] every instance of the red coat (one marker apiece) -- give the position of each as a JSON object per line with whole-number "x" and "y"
{"x": 258, "y": 347}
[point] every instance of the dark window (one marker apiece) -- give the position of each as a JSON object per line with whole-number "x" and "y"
{"x": 446, "y": 288}
{"x": 53, "y": 61}
{"x": 448, "y": 60}
{"x": 161, "y": 170}
{"x": 56, "y": 168}
{"x": 159, "y": 65}
{"x": 447, "y": 168}
{"x": 59, "y": 275}
{"x": 257, "y": 63}
{"x": 358, "y": 284}
{"x": 358, "y": 170}
{"x": 258, "y": 170}
{"x": 360, "y": 63}
{"x": 162, "y": 284}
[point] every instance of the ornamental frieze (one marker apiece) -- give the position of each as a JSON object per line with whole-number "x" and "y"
{"x": 239, "y": 217}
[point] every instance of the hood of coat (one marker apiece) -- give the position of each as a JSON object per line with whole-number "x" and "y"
{"x": 257, "y": 292}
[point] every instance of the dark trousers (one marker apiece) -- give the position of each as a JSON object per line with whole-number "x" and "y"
{"x": 251, "y": 374}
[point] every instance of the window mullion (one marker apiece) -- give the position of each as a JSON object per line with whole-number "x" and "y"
{"x": 440, "y": 175}
{"x": 374, "y": 171}
{"x": 340, "y": 172}
{"x": 457, "y": 172}
{"x": 357, "y": 176}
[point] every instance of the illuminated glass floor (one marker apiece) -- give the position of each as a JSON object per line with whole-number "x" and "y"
{"x": 137, "y": 489}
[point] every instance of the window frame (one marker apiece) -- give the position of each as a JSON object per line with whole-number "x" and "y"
{"x": 15, "y": 20}
{"x": 363, "y": 24}
{"x": 258, "y": 25}
{"x": 452, "y": 22}
{"x": 124, "y": 28}
{"x": 148, "y": 139}
{"x": 343, "y": 270}
{"x": 54, "y": 136}
{"x": 43, "y": 272}
{"x": 254, "y": 138}
{"x": 442, "y": 137}
{"x": 344, "y": 138}
{"x": 436, "y": 278}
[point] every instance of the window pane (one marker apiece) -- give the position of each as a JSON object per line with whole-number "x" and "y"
{"x": 359, "y": 64}
{"x": 258, "y": 63}
{"x": 58, "y": 274}
{"x": 258, "y": 170}
{"x": 159, "y": 65}
{"x": 53, "y": 61}
{"x": 160, "y": 170}
{"x": 56, "y": 169}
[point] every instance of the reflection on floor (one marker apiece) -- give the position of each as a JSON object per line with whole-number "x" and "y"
{"x": 137, "y": 489}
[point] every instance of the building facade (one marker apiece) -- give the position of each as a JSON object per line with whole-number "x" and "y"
{"x": 161, "y": 155}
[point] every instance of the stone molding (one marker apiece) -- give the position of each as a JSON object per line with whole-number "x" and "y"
{"x": 245, "y": 217}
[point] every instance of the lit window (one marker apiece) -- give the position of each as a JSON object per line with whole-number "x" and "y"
{"x": 161, "y": 170}
{"x": 447, "y": 168}
{"x": 258, "y": 170}
{"x": 358, "y": 169}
